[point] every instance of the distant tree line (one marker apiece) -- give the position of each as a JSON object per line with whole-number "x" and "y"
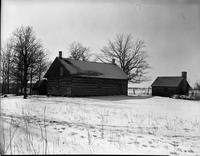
{"x": 23, "y": 60}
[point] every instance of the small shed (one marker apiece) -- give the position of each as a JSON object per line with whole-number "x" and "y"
{"x": 170, "y": 85}
{"x": 68, "y": 77}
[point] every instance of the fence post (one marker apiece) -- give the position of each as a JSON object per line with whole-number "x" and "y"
{"x": 133, "y": 91}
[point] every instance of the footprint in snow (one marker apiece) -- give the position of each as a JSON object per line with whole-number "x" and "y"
{"x": 140, "y": 136}
{"x": 73, "y": 133}
{"x": 166, "y": 147}
{"x": 151, "y": 133}
{"x": 92, "y": 127}
{"x": 52, "y": 121}
{"x": 186, "y": 129}
{"x": 173, "y": 153}
{"x": 190, "y": 151}
{"x": 179, "y": 149}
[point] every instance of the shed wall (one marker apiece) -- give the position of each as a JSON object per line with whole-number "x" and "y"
{"x": 184, "y": 88}
{"x": 165, "y": 91}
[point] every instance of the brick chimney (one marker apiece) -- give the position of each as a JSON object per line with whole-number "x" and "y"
{"x": 60, "y": 54}
{"x": 184, "y": 75}
{"x": 113, "y": 61}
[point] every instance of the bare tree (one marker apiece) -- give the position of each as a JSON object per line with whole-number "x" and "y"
{"x": 129, "y": 56}
{"x": 6, "y": 65}
{"x": 28, "y": 53}
{"x": 17, "y": 72}
{"x": 79, "y": 52}
{"x": 38, "y": 68}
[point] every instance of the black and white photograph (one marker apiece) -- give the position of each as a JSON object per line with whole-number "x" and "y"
{"x": 100, "y": 77}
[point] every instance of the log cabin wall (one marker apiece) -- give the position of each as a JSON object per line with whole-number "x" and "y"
{"x": 171, "y": 85}
{"x": 82, "y": 86}
{"x": 59, "y": 86}
{"x": 165, "y": 91}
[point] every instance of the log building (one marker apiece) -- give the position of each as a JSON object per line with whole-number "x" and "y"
{"x": 169, "y": 86}
{"x": 68, "y": 77}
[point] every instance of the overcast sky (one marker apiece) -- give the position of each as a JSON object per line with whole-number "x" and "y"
{"x": 170, "y": 28}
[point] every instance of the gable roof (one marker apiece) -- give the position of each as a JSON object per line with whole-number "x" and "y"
{"x": 92, "y": 69}
{"x": 172, "y": 81}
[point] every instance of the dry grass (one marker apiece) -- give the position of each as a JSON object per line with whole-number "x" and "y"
{"x": 8, "y": 145}
{"x": 92, "y": 125}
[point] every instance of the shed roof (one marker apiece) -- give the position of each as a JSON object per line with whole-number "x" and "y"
{"x": 172, "y": 81}
{"x": 92, "y": 69}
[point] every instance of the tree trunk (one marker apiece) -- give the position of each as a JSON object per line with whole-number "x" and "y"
{"x": 31, "y": 82}
{"x": 25, "y": 75}
{"x": 21, "y": 89}
{"x": 25, "y": 84}
{"x": 21, "y": 85}
{"x": 39, "y": 72}
{"x": 8, "y": 80}
{"x": 25, "y": 88}
{"x": 3, "y": 79}
{"x": 8, "y": 84}
{"x": 17, "y": 88}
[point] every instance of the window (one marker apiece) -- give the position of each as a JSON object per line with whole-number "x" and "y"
{"x": 61, "y": 71}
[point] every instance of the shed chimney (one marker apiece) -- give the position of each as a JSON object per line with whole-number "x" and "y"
{"x": 184, "y": 75}
{"x": 113, "y": 61}
{"x": 60, "y": 54}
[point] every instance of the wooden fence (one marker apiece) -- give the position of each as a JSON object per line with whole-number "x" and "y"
{"x": 139, "y": 91}
{"x": 148, "y": 91}
{"x": 194, "y": 92}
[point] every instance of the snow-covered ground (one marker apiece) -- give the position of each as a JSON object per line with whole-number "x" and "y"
{"x": 96, "y": 125}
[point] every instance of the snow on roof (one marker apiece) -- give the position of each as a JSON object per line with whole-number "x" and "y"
{"x": 167, "y": 81}
{"x": 93, "y": 69}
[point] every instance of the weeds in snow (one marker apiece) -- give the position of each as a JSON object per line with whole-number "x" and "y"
{"x": 103, "y": 120}
{"x": 26, "y": 141}
{"x": 89, "y": 136}
{"x": 5, "y": 147}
